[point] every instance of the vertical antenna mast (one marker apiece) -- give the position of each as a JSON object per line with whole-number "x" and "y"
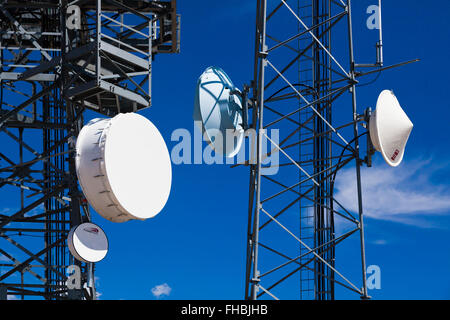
{"x": 292, "y": 240}
{"x": 380, "y": 42}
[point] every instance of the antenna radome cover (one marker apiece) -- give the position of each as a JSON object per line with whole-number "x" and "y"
{"x": 218, "y": 108}
{"x": 390, "y": 128}
{"x": 124, "y": 167}
{"x": 87, "y": 242}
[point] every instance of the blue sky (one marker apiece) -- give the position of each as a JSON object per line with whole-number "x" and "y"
{"x": 195, "y": 249}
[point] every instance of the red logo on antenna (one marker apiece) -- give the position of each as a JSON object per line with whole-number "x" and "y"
{"x": 91, "y": 230}
{"x": 396, "y": 153}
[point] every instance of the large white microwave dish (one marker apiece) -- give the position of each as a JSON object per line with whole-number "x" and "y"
{"x": 390, "y": 128}
{"x": 124, "y": 167}
{"x": 87, "y": 242}
{"x": 218, "y": 112}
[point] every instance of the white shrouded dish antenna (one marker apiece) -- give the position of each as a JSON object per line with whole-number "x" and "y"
{"x": 87, "y": 242}
{"x": 218, "y": 107}
{"x": 124, "y": 167}
{"x": 390, "y": 128}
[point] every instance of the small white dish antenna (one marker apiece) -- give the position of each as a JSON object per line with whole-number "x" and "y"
{"x": 390, "y": 128}
{"x": 218, "y": 107}
{"x": 123, "y": 167}
{"x": 87, "y": 242}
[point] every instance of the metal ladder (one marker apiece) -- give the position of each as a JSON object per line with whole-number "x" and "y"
{"x": 307, "y": 218}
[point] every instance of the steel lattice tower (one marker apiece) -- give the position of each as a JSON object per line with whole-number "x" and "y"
{"x": 59, "y": 59}
{"x": 300, "y": 80}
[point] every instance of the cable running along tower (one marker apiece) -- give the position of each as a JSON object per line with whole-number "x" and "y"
{"x": 60, "y": 59}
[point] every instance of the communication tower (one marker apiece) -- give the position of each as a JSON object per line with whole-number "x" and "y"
{"x": 301, "y": 78}
{"x": 58, "y": 60}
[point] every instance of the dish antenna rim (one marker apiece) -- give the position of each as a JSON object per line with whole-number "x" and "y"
{"x": 389, "y": 124}
{"x": 73, "y": 248}
{"x": 226, "y": 112}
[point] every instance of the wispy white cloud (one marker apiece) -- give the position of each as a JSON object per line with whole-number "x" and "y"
{"x": 161, "y": 290}
{"x": 404, "y": 194}
{"x": 380, "y": 242}
{"x": 4, "y": 258}
{"x": 97, "y": 285}
{"x": 38, "y": 210}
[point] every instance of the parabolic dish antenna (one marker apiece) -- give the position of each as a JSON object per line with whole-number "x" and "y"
{"x": 218, "y": 108}
{"x": 87, "y": 242}
{"x": 124, "y": 167}
{"x": 390, "y": 128}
